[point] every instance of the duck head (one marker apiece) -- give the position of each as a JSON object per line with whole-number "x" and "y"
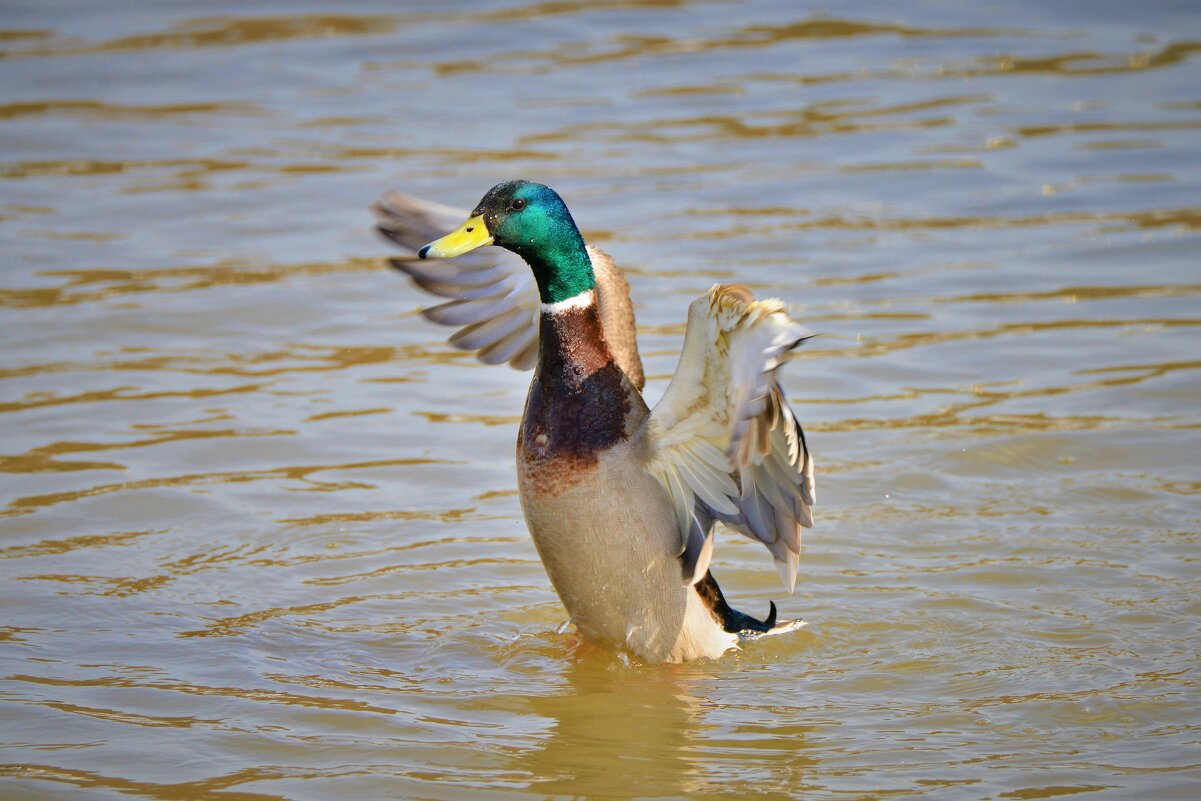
{"x": 532, "y": 221}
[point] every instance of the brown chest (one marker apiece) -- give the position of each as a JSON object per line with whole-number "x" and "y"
{"x": 569, "y": 421}
{"x": 580, "y": 403}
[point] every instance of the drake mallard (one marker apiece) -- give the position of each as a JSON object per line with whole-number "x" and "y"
{"x": 621, "y": 499}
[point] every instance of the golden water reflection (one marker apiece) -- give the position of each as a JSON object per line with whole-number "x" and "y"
{"x": 606, "y": 716}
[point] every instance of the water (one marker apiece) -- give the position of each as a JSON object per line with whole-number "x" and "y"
{"x": 259, "y": 532}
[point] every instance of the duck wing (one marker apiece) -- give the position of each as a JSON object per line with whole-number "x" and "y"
{"x": 725, "y": 444}
{"x": 493, "y": 299}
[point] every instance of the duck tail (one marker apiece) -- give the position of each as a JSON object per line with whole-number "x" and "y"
{"x": 740, "y": 623}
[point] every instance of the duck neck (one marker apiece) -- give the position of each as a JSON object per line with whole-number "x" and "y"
{"x": 572, "y": 337}
{"x": 560, "y": 263}
{"x": 572, "y": 342}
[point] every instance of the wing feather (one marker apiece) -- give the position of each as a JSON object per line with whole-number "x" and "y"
{"x": 463, "y": 312}
{"x": 507, "y": 349}
{"x": 490, "y": 330}
{"x": 726, "y": 444}
{"x": 528, "y": 358}
{"x": 698, "y": 549}
{"x": 706, "y": 486}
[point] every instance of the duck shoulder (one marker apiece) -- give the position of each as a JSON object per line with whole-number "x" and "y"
{"x": 617, "y": 315}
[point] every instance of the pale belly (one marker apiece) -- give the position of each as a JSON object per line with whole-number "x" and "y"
{"x": 608, "y": 539}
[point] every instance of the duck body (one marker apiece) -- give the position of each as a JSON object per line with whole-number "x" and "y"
{"x": 620, "y": 499}
{"x": 604, "y": 528}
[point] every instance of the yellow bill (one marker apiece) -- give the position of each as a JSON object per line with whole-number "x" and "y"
{"x": 469, "y": 236}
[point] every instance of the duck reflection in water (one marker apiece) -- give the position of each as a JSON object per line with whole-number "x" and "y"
{"x": 617, "y": 730}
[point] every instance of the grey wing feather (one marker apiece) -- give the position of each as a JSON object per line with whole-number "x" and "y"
{"x": 493, "y": 298}
{"x": 698, "y": 545}
{"x": 776, "y": 493}
{"x": 725, "y": 441}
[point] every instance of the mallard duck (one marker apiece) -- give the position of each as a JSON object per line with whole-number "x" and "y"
{"x": 621, "y": 499}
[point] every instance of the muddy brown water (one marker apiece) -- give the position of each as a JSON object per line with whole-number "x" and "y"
{"x": 259, "y": 537}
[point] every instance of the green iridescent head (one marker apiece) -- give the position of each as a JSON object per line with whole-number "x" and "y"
{"x": 532, "y": 221}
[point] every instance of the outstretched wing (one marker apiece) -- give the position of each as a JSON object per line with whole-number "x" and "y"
{"x": 726, "y": 444}
{"x": 493, "y": 299}
{"x": 492, "y": 296}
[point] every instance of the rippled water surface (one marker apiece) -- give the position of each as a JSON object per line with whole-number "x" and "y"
{"x": 259, "y": 536}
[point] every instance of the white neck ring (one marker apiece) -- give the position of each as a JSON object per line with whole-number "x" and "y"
{"x": 580, "y": 301}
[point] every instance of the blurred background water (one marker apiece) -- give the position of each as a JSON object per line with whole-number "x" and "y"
{"x": 259, "y": 536}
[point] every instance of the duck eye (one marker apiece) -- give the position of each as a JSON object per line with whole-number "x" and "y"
{"x": 518, "y": 204}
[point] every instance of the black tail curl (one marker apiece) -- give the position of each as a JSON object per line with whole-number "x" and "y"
{"x": 730, "y": 619}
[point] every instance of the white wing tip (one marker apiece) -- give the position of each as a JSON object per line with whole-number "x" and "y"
{"x": 787, "y": 568}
